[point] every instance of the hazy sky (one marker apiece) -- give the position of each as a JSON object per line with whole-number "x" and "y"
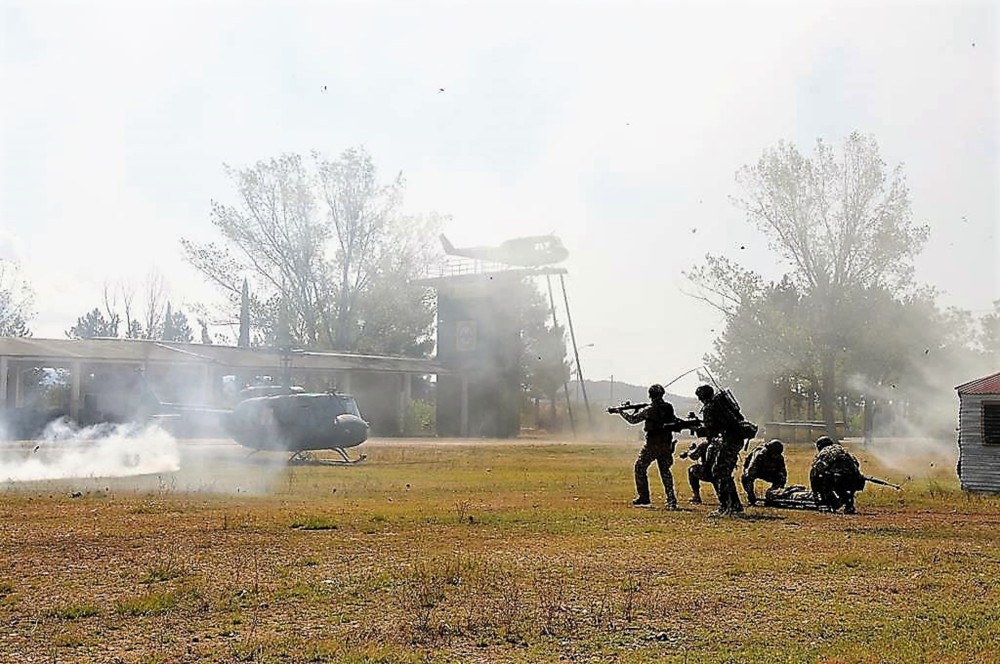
{"x": 619, "y": 126}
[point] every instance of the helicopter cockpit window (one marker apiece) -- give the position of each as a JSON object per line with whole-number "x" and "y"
{"x": 351, "y": 405}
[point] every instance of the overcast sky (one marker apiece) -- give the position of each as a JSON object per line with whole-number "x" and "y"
{"x": 618, "y": 126}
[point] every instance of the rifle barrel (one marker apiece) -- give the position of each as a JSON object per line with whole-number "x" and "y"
{"x": 875, "y": 480}
{"x": 627, "y": 406}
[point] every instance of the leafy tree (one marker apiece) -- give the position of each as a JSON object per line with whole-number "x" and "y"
{"x": 842, "y": 223}
{"x": 544, "y": 368}
{"x": 329, "y": 242}
{"x": 989, "y": 334}
{"x": 176, "y": 327}
{"x": 15, "y": 302}
{"x": 93, "y": 324}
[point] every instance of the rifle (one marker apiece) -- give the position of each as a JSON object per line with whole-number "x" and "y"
{"x": 689, "y": 450}
{"x": 626, "y": 406}
{"x": 875, "y": 480}
{"x": 692, "y": 424}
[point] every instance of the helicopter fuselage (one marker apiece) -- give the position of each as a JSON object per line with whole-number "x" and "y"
{"x": 297, "y": 422}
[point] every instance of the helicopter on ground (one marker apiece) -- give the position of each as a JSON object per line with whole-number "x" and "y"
{"x": 529, "y": 251}
{"x": 283, "y": 418}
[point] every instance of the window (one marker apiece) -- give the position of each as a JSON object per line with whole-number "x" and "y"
{"x": 991, "y": 424}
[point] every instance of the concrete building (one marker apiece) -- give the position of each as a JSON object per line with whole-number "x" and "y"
{"x": 94, "y": 379}
{"x": 979, "y": 434}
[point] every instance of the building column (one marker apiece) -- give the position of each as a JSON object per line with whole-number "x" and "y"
{"x": 3, "y": 382}
{"x": 75, "y": 369}
{"x": 405, "y": 397}
{"x": 208, "y": 385}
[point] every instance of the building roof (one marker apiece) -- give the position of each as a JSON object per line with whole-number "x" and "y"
{"x": 986, "y": 385}
{"x": 156, "y": 352}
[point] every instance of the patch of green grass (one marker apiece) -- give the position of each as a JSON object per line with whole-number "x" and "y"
{"x": 848, "y": 559}
{"x": 315, "y": 523}
{"x": 68, "y": 640}
{"x": 161, "y": 572}
{"x": 150, "y": 604}
{"x": 300, "y": 590}
{"x": 75, "y": 611}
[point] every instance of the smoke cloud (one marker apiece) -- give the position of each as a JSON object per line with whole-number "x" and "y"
{"x": 64, "y": 451}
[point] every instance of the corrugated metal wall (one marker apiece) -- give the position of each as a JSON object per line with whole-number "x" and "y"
{"x": 979, "y": 463}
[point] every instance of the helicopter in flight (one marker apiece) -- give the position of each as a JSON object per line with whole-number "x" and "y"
{"x": 284, "y": 418}
{"x": 528, "y": 251}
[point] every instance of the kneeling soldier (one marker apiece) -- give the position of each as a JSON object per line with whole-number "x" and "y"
{"x": 765, "y": 462}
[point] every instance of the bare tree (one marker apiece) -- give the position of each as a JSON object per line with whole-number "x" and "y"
{"x": 326, "y": 245}
{"x": 156, "y": 303}
{"x": 359, "y": 210}
{"x": 274, "y": 234}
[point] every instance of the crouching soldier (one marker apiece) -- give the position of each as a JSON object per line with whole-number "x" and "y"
{"x": 698, "y": 472}
{"x": 765, "y": 462}
{"x": 835, "y": 476}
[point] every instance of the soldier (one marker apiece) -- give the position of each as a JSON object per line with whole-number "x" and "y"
{"x": 795, "y": 496}
{"x": 835, "y": 476}
{"x": 721, "y": 426}
{"x": 765, "y": 462}
{"x": 697, "y": 472}
{"x": 659, "y": 421}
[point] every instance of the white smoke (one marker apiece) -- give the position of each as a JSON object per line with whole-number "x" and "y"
{"x": 915, "y": 457}
{"x": 64, "y": 452}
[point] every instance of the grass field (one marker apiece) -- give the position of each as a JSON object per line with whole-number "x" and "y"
{"x": 485, "y": 551}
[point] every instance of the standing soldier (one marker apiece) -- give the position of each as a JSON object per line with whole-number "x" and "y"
{"x": 835, "y": 476}
{"x": 721, "y": 426}
{"x": 697, "y": 472}
{"x": 659, "y": 421}
{"x": 765, "y": 462}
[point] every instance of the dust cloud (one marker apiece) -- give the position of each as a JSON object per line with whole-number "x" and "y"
{"x": 64, "y": 451}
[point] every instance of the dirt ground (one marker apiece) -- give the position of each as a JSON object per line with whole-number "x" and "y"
{"x": 458, "y": 550}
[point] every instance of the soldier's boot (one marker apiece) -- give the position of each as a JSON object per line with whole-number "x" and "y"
{"x": 734, "y": 505}
{"x": 671, "y": 501}
{"x": 641, "y": 502}
{"x": 695, "y": 488}
{"x": 849, "y": 505}
{"x": 747, "y": 483}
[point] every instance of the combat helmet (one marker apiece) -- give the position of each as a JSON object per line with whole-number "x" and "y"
{"x": 656, "y": 391}
{"x": 774, "y": 446}
{"x": 704, "y": 393}
{"x": 823, "y": 441}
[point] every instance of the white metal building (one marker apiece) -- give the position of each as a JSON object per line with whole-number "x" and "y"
{"x": 979, "y": 434}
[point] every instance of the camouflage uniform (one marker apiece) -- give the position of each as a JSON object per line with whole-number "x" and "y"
{"x": 725, "y": 440}
{"x": 795, "y": 496}
{"x": 698, "y": 472}
{"x": 835, "y": 477}
{"x": 765, "y": 462}
{"x": 658, "y": 418}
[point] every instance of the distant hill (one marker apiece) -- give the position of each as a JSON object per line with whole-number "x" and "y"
{"x": 604, "y": 393}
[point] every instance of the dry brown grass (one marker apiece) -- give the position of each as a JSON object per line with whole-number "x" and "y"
{"x": 478, "y": 551}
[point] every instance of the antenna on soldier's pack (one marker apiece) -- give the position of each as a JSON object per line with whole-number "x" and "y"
{"x": 711, "y": 377}
{"x": 681, "y": 376}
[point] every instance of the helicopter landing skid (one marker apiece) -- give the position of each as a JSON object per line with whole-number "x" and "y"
{"x": 305, "y": 457}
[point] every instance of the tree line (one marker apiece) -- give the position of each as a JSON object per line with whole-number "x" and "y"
{"x": 315, "y": 253}
{"x": 846, "y": 327}
{"x": 331, "y": 259}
